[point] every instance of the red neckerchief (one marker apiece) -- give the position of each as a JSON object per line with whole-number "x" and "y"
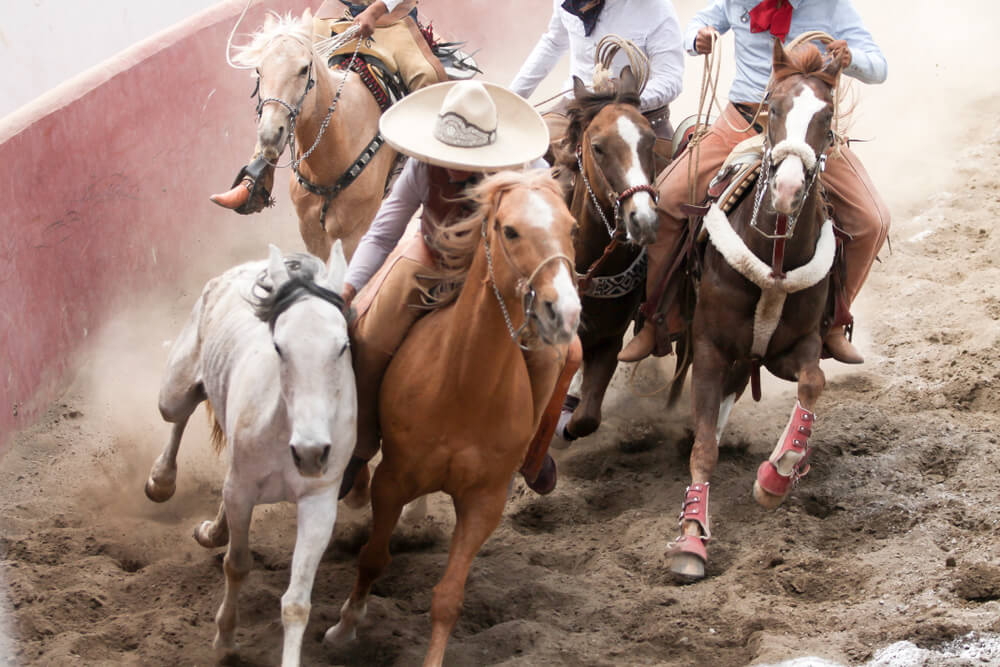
{"x": 775, "y": 15}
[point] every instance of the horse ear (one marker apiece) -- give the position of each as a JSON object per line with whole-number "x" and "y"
{"x": 307, "y": 18}
{"x": 336, "y": 267}
{"x": 627, "y": 81}
{"x": 276, "y": 268}
{"x": 579, "y": 88}
{"x": 778, "y": 55}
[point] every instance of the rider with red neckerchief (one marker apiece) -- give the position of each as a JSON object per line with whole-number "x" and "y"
{"x": 857, "y": 207}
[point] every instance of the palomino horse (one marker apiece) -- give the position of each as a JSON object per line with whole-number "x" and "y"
{"x": 615, "y": 208}
{"x": 340, "y": 167}
{"x": 267, "y": 346}
{"x": 461, "y": 399}
{"x": 763, "y": 294}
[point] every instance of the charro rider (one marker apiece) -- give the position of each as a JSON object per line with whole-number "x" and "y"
{"x": 398, "y": 43}
{"x": 857, "y": 208}
{"x": 456, "y": 132}
{"x": 579, "y": 25}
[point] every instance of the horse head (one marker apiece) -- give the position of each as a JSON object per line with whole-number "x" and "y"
{"x": 287, "y": 68}
{"x": 300, "y": 301}
{"x": 528, "y": 222}
{"x": 614, "y": 144}
{"x": 799, "y": 123}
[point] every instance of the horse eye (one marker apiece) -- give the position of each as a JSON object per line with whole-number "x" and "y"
{"x": 304, "y": 70}
{"x": 510, "y": 233}
{"x": 597, "y": 149}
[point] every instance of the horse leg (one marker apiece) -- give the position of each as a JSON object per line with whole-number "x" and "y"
{"x": 788, "y": 461}
{"x": 599, "y": 364}
{"x": 180, "y": 394}
{"x": 476, "y": 517}
{"x": 316, "y": 516}
{"x": 389, "y": 494}
{"x": 236, "y": 565}
{"x": 213, "y": 534}
{"x": 688, "y": 554}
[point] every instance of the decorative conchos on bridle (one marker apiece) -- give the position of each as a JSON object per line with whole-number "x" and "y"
{"x": 525, "y": 285}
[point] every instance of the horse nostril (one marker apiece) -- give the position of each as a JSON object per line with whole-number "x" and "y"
{"x": 550, "y": 310}
{"x": 295, "y": 456}
{"x": 326, "y": 455}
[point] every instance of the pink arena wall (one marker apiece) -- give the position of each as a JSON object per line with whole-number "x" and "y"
{"x": 103, "y": 181}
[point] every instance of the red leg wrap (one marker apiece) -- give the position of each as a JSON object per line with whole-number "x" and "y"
{"x": 795, "y": 441}
{"x": 695, "y": 508}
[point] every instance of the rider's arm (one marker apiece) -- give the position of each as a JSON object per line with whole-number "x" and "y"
{"x": 666, "y": 62}
{"x": 544, "y": 56}
{"x": 390, "y": 222}
{"x": 867, "y": 62}
{"x": 713, "y": 16}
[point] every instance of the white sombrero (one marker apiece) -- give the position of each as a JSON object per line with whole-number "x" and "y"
{"x": 469, "y": 125}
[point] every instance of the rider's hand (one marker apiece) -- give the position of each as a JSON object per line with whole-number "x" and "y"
{"x": 348, "y": 294}
{"x": 703, "y": 41}
{"x": 366, "y": 20}
{"x": 840, "y": 51}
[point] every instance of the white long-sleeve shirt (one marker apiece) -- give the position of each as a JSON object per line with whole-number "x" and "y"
{"x": 651, "y": 24}
{"x": 837, "y": 18}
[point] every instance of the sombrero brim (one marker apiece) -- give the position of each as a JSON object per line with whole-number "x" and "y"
{"x": 522, "y": 136}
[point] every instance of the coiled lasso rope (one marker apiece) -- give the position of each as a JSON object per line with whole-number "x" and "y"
{"x": 604, "y": 55}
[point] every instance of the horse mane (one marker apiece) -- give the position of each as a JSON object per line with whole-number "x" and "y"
{"x": 585, "y": 106}
{"x": 456, "y": 243}
{"x": 806, "y": 60}
{"x": 251, "y": 54}
{"x": 269, "y": 303}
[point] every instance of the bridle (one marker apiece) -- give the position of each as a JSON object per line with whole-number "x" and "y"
{"x": 784, "y": 224}
{"x": 525, "y": 284}
{"x": 616, "y": 198}
{"x": 616, "y": 232}
{"x": 294, "y": 111}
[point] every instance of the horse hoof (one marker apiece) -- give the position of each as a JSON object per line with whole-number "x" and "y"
{"x": 337, "y": 634}
{"x": 159, "y": 493}
{"x": 765, "y": 499}
{"x": 203, "y": 536}
{"x": 687, "y": 567}
{"x": 545, "y": 483}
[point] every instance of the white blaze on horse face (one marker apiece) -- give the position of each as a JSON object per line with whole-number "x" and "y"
{"x": 567, "y": 304}
{"x": 639, "y": 210}
{"x": 789, "y": 179}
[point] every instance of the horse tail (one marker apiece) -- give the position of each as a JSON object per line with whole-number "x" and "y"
{"x": 218, "y": 437}
{"x": 684, "y": 352}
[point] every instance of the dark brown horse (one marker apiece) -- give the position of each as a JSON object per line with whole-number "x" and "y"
{"x": 763, "y": 293}
{"x": 615, "y": 208}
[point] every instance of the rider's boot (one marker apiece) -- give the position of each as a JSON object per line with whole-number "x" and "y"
{"x": 840, "y": 348}
{"x": 251, "y": 191}
{"x": 658, "y": 254}
{"x": 369, "y": 368}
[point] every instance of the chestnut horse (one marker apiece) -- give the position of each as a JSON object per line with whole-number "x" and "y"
{"x": 615, "y": 208}
{"x": 465, "y": 392}
{"x": 763, "y": 294}
{"x": 329, "y": 118}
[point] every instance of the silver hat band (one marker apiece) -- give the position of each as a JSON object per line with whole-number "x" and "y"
{"x": 454, "y": 130}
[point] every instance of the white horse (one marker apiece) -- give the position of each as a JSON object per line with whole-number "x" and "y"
{"x": 267, "y": 346}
